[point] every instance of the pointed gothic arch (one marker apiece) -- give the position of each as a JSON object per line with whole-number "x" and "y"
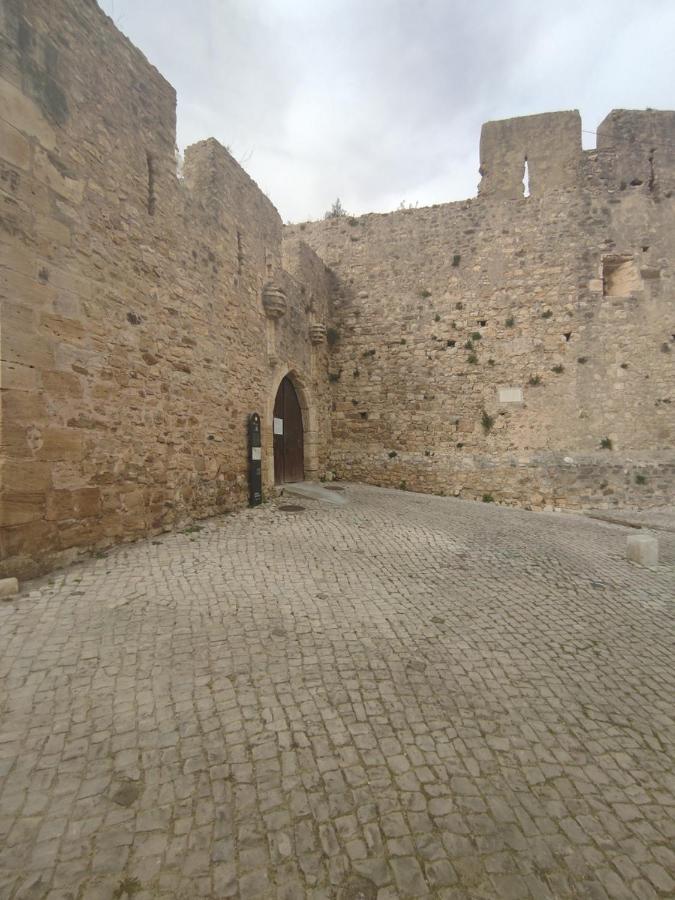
{"x": 308, "y": 414}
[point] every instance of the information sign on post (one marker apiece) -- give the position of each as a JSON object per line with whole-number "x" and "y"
{"x": 254, "y": 461}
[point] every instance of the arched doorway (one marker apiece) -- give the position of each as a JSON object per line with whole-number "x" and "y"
{"x": 289, "y": 451}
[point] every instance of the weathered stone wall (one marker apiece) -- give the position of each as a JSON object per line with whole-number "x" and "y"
{"x": 637, "y": 150}
{"x": 133, "y": 340}
{"x": 550, "y": 143}
{"x": 509, "y": 346}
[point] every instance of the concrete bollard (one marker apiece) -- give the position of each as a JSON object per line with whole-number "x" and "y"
{"x": 643, "y": 549}
{"x": 8, "y": 588}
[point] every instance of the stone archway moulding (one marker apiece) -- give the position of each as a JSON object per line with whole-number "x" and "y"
{"x": 310, "y": 423}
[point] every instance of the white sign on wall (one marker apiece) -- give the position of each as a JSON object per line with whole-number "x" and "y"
{"x": 278, "y": 426}
{"x": 510, "y": 395}
{"x": 256, "y": 453}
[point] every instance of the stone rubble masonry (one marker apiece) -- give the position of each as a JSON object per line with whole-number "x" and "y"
{"x": 511, "y": 347}
{"x": 507, "y": 347}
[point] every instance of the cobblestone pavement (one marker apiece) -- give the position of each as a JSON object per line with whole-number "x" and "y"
{"x": 407, "y": 696}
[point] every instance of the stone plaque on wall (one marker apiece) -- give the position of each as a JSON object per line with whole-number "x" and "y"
{"x": 510, "y": 395}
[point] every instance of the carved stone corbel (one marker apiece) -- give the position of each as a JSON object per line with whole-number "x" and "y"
{"x": 275, "y": 305}
{"x": 317, "y": 333}
{"x": 274, "y": 301}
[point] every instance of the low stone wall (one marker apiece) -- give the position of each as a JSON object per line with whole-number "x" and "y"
{"x": 541, "y": 482}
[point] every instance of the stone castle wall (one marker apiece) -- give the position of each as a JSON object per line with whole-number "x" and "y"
{"x": 134, "y": 341}
{"x": 509, "y": 347}
{"x": 517, "y": 347}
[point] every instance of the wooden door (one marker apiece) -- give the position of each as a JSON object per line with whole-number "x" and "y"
{"x": 289, "y": 453}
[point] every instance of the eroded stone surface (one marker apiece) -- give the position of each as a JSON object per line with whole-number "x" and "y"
{"x": 258, "y": 705}
{"x": 9, "y": 587}
{"x": 643, "y": 548}
{"x": 135, "y": 337}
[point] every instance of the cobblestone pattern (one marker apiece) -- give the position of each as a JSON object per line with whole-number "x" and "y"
{"x": 408, "y": 696}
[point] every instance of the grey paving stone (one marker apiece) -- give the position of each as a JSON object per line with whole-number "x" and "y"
{"x": 418, "y": 695}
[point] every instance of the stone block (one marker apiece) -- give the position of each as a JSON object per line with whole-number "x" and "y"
{"x": 61, "y": 385}
{"x": 15, "y": 147}
{"x": 82, "y": 503}
{"x": 29, "y": 349}
{"x": 9, "y": 587}
{"x": 25, "y": 115}
{"x": 643, "y": 549}
{"x": 510, "y": 395}
{"x": 50, "y": 230}
{"x": 19, "y": 507}
{"x": 50, "y": 171}
{"x": 24, "y": 539}
{"x": 17, "y": 377}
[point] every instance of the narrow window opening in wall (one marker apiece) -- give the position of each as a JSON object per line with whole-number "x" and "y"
{"x": 482, "y": 322}
{"x": 645, "y": 247}
{"x": 652, "y": 177}
{"x": 152, "y": 200}
{"x": 526, "y": 179}
{"x": 567, "y": 335}
{"x": 240, "y": 254}
{"x": 620, "y": 276}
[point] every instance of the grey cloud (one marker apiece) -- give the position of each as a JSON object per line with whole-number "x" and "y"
{"x": 380, "y": 101}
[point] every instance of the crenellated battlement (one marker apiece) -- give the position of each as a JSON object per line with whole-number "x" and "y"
{"x": 637, "y": 147}
{"x": 511, "y": 346}
{"x": 550, "y": 144}
{"x": 634, "y": 148}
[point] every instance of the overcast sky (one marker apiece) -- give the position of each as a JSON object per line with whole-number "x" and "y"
{"x": 381, "y": 101}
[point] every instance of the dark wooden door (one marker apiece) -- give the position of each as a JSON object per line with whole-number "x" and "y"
{"x": 289, "y": 453}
